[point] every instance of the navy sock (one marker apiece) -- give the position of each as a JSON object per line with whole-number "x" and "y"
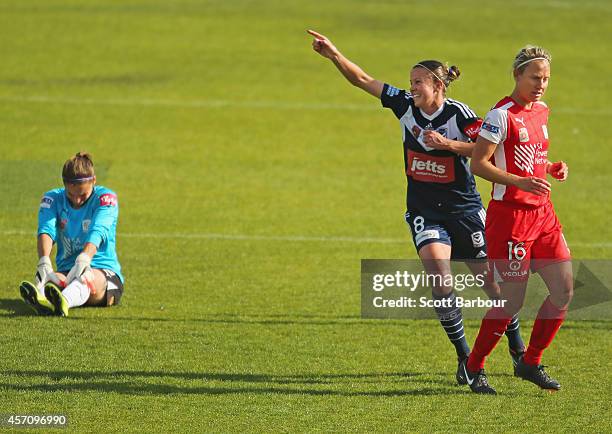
{"x": 452, "y": 321}
{"x": 513, "y": 332}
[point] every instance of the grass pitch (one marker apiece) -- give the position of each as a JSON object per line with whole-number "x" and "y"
{"x": 252, "y": 179}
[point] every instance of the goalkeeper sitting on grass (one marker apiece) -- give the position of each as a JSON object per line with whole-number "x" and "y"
{"x": 81, "y": 218}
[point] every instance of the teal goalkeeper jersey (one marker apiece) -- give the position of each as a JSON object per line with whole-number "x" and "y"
{"x": 95, "y": 222}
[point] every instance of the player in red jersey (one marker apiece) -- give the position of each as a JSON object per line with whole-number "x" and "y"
{"x": 521, "y": 227}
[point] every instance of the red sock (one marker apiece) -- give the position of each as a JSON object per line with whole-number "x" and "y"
{"x": 545, "y": 327}
{"x": 491, "y": 330}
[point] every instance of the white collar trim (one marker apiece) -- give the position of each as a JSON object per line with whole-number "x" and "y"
{"x": 434, "y": 114}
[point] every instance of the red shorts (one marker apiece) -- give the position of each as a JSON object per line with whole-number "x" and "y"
{"x": 520, "y": 238}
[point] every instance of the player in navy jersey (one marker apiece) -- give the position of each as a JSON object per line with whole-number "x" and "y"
{"x": 443, "y": 207}
{"x": 81, "y": 218}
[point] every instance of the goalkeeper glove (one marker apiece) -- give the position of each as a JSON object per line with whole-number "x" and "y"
{"x": 81, "y": 270}
{"x": 45, "y": 273}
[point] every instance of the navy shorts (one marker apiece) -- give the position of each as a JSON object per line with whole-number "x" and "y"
{"x": 466, "y": 235}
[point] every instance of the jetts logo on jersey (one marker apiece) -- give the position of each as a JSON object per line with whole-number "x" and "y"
{"x": 46, "y": 202}
{"x": 108, "y": 200}
{"x": 427, "y": 168}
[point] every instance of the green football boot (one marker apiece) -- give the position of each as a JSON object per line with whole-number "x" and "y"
{"x": 35, "y": 299}
{"x": 55, "y": 296}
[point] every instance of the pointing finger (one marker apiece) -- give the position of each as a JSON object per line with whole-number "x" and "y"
{"x": 315, "y": 34}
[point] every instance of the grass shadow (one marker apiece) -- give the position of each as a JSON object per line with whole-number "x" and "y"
{"x": 140, "y": 383}
{"x": 15, "y": 307}
{"x": 256, "y": 320}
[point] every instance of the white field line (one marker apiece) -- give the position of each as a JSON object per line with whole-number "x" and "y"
{"x": 146, "y": 102}
{"x": 214, "y": 236}
{"x": 246, "y": 237}
{"x": 212, "y": 103}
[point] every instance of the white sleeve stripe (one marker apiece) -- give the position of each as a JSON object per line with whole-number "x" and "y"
{"x": 461, "y": 109}
{"x": 467, "y": 108}
{"x": 468, "y": 111}
{"x": 452, "y": 102}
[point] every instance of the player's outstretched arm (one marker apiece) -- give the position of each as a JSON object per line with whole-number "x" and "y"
{"x": 482, "y": 166}
{"x": 352, "y": 72}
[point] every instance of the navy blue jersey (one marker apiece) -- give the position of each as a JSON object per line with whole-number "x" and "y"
{"x": 440, "y": 183}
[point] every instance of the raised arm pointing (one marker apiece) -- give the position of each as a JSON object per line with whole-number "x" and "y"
{"x": 352, "y": 72}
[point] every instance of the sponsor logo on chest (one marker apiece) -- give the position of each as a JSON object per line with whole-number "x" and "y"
{"x": 427, "y": 168}
{"x": 526, "y": 157}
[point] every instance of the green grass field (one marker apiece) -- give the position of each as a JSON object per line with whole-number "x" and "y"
{"x": 252, "y": 180}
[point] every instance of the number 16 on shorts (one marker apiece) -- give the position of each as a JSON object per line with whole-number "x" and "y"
{"x": 516, "y": 251}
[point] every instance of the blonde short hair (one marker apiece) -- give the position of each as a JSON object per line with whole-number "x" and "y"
{"x": 527, "y": 54}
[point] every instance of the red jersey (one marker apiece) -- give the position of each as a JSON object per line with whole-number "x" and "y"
{"x": 522, "y": 147}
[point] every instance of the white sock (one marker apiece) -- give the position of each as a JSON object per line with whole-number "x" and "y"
{"x": 76, "y": 294}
